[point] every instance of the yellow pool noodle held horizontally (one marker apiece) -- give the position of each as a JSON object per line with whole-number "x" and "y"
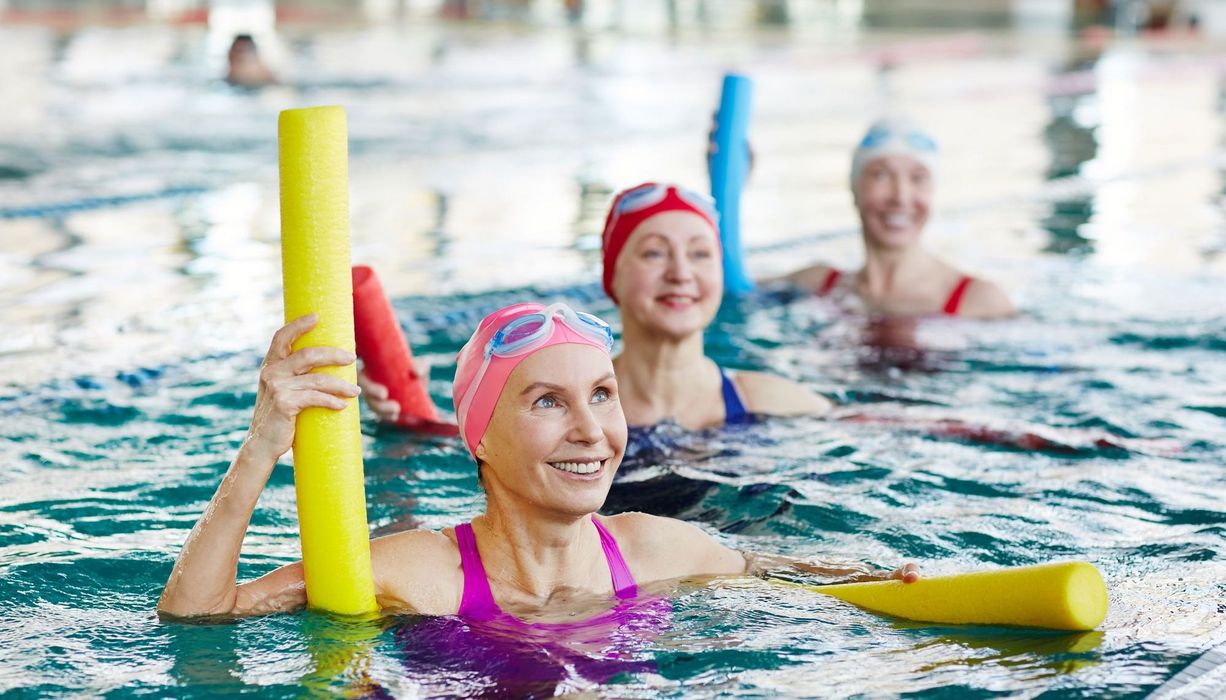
{"x": 1060, "y": 596}
{"x": 315, "y": 264}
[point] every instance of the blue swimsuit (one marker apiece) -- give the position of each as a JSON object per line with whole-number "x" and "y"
{"x": 667, "y": 443}
{"x": 734, "y": 408}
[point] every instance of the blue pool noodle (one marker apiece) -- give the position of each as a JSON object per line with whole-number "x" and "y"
{"x": 729, "y": 167}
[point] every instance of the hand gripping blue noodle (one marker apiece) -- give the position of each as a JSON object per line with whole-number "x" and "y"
{"x": 729, "y": 166}
{"x": 314, "y": 155}
{"x": 1059, "y": 596}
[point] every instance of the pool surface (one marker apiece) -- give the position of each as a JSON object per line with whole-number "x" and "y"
{"x": 140, "y": 281}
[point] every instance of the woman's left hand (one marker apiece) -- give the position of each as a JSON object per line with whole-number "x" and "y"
{"x": 376, "y": 395}
{"x": 907, "y": 573}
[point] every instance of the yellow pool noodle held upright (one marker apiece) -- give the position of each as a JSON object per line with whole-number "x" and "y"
{"x": 1060, "y": 596}
{"x": 314, "y": 153}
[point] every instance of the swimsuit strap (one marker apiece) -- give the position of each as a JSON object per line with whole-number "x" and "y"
{"x": 478, "y": 601}
{"x": 623, "y": 581}
{"x": 955, "y": 297}
{"x": 734, "y": 407}
{"x": 832, "y": 278}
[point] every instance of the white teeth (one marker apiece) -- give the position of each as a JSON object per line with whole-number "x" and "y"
{"x": 577, "y": 467}
{"x": 898, "y": 220}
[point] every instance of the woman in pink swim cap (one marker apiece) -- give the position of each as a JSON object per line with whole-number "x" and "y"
{"x": 662, "y": 266}
{"x": 893, "y": 179}
{"x": 539, "y": 409}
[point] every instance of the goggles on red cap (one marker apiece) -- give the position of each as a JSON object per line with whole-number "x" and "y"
{"x": 634, "y": 206}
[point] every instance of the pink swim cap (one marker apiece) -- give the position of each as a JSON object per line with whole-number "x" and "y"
{"x": 633, "y": 206}
{"x": 475, "y": 419}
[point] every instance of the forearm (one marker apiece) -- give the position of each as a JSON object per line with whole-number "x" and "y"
{"x": 203, "y": 581}
{"x": 766, "y": 565}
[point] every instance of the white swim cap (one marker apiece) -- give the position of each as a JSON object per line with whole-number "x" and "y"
{"x": 894, "y": 136}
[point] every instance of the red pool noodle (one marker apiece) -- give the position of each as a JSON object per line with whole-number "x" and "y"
{"x": 386, "y": 357}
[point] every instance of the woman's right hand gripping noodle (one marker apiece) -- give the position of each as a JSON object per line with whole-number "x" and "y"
{"x": 203, "y": 581}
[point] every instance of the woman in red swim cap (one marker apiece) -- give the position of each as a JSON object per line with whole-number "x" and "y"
{"x": 662, "y": 266}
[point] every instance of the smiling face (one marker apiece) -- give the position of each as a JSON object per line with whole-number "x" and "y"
{"x": 893, "y": 194}
{"x": 558, "y": 432}
{"x": 669, "y": 276}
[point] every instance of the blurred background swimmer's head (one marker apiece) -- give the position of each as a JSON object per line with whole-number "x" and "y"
{"x": 245, "y": 67}
{"x": 894, "y": 136}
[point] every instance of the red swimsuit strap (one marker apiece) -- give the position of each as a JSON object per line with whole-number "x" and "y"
{"x": 955, "y": 297}
{"x": 832, "y": 278}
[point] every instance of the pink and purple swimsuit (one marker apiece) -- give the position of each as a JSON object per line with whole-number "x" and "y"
{"x": 483, "y": 650}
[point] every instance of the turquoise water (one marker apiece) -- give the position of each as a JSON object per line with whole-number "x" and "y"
{"x": 140, "y": 284}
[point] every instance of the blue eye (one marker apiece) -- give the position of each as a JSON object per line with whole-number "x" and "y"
{"x": 546, "y": 401}
{"x": 600, "y": 395}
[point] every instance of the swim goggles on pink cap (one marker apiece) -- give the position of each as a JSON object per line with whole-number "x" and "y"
{"x": 530, "y": 332}
{"x": 651, "y": 194}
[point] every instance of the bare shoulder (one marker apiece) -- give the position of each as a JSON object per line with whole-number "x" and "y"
{"x": 647, "y": 537}
{"x": 633, "y": 529}
{"x": 774, "y": 395}
{"x": 418, "y": 569}
{"x": 811, "y": 278}
{"x": 657, "y": 548}
{"x": 986, "y": 300}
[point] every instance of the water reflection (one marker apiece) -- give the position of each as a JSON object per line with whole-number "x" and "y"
{"x": 437, "y": 232}
{"x": 773, "y": 13}
{"x": 889, "y": 342}
{"x": 391, "y": 502}
{"x": 342, "y": 652}
{"x": 204, "y": 656}
{"x": 1071, "y": 142}
{"x": 1217, "y": 247}
{"x": 594, "y": 198}
{"x": 1021, "y": 649}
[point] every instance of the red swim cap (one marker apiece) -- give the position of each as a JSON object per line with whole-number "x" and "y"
{"x": 633, "y": 206}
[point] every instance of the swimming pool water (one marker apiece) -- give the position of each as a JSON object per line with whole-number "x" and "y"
{"x": 1088, "y": 181}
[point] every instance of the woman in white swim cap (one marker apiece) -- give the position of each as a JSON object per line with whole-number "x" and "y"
{"x": 893, "y": 177}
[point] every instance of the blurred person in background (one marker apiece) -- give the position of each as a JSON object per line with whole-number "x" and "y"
{"x": 893, "y": 180}
{"x": 246, "y": 68}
